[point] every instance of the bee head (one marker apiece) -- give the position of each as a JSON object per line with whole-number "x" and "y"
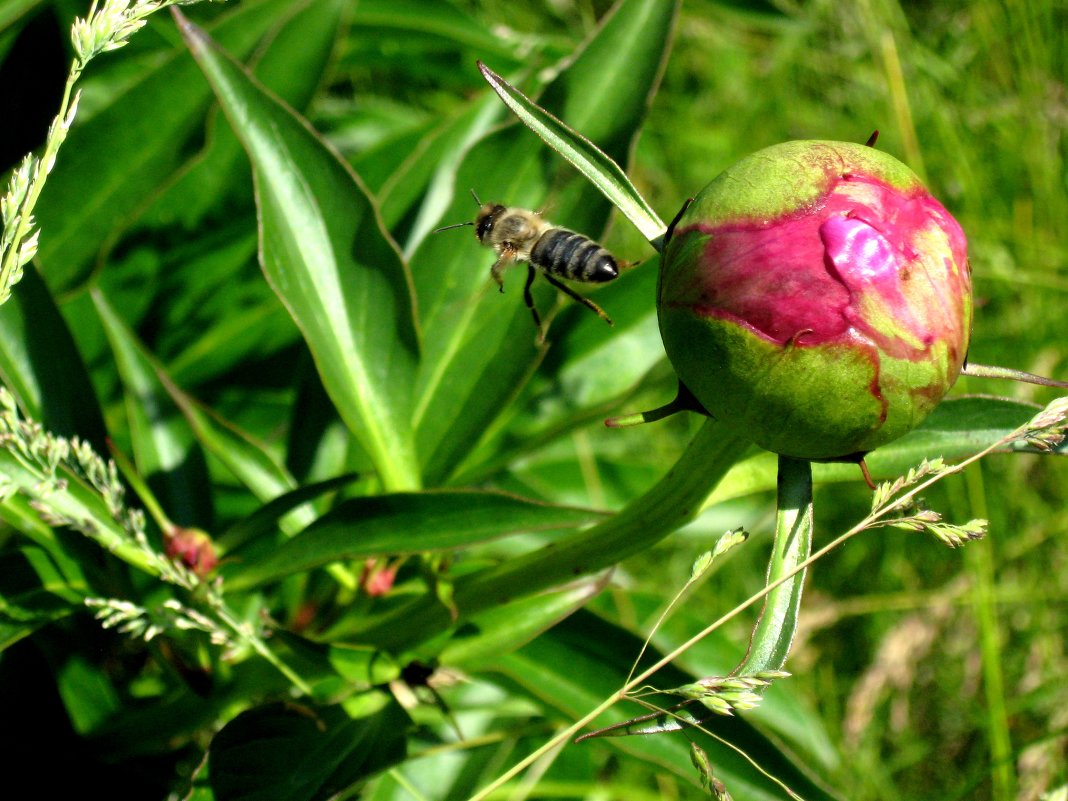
{"x": 487, "y": 216}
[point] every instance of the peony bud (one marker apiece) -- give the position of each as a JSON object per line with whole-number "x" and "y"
{"x": 816, "y": 294}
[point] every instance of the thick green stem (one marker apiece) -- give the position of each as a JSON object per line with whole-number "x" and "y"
{"x": 673, "y": 502}
{"x": 774, "y": 631}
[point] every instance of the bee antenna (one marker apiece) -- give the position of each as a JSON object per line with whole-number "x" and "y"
{"x": 447, "y": 227}
{"x": 479, "y": 202}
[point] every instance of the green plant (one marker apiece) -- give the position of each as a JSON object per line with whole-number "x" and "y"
{"x": 413, "y": 507}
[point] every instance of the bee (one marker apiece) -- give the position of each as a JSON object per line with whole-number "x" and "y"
{"x": 522, "y": 235}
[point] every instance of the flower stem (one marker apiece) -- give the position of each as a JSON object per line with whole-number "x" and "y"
{"x": 774, "y": 632}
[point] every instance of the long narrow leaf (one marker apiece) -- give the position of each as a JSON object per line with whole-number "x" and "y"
{"x": 958, "y": 427}
{"x": 602, "y": 171}
{"x": 165, "y": 450}
{"x": 401, "y": 524}
{"x": 41, "y": 365}
{"x": 253, "y": 757}
{"x": 672, "y": 503}
{"x": 102, "y": 176}
{"x": 324, "y": 252}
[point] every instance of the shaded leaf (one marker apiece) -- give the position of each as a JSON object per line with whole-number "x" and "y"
{"x": 165, "y": 451}
{"x": 486, "y": 636}
{"x": 100, "y": 178}
{"x": 250, "y": 461}
{"x": 281, "y": 752}
{"x": 40, "y": 364}
{"x": 292, "y": 65}
{"x": 439, "y": 20}
{"x": 33, "y": 592}
{"x": 268, "y": 518}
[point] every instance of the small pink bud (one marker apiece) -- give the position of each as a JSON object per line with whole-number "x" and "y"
{"x": 378, "y": 576}
{"x": 817, "y": 294}
{"x": 193, "y": 548}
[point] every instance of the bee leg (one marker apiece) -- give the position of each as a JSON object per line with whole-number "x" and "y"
{"x": 589, "y": 304}
{"x": 503, "y": 261}
{"x": 529, "y": 300}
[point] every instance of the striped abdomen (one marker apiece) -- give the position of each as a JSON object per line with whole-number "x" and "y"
{"x": 576, "y": 257}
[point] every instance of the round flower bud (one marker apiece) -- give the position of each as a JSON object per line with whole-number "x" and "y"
{"x": 816, "y": 294}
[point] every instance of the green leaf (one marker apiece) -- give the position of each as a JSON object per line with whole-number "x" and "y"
{"x": 598, "y": 167}
{"x": 667, "y": 506}
{"x": 101, "y": 178}
{"x": 292, "y": 65}
{"x": 88, "y": 693}
{"x": 40, "y": 364}
{"x": 479, "y": 347}
{"x": 337, "y": 670}
{"x": 589, "y": 374}
{"x": 234, "y": 340}
{"x": 403, "y": 523}
{"x": 267, "y": 519}
{"x": 16, "y": 10}
{"x": 488, "y": 635}
{"x": 324, "y": 252}
{"x": 282, "y": 752}
{"x": 33, "y": 592}
{"x": 250, "y": 461}
{"x": 165, "y": 451}
{"x": 957, "y": 428}
{"x": 438, "y": 20}
{"x": 423, "y": 186}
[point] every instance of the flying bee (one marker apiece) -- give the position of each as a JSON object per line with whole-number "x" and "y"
{"x": 522, "y": 235}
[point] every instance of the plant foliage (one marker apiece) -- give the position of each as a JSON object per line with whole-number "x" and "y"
{"x": 296, "y": 506}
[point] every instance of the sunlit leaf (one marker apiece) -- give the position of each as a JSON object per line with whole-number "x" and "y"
{"x": 402, "y": 524}
{"x": 599, "y": 168}
{"x": 957, "y": 428}
{"x": 324, "y": 252}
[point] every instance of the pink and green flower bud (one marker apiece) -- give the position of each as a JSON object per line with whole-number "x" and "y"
{"x": 817, "y": 294}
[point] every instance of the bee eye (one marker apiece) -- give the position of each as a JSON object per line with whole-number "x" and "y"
{"x": 485, "y": 225}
